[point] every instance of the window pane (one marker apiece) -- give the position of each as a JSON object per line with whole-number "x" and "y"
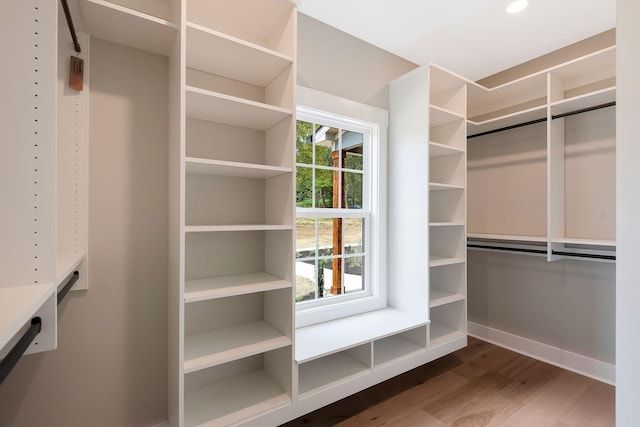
{"x": 327, "y": 142}
{"x": 353, "y": 190}
{"x": 306, "y": 283}
{"x": 325, "y": 278}
{"x": 353, "y": 274}
{"x": 305, "y": 237}
{"x": 324, "y": 188}
{"x": 353, "y": 235}
{"x": 326, "y": 227}
{"x": 304, "y": 187}
{"x": 352, "y": 147}
{"x": 304, "y": 145}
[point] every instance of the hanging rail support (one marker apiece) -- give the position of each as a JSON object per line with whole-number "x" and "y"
{"x": 9, "y": 362}
{"x": 72, "y": 28}
{"x": 71, "y": 280}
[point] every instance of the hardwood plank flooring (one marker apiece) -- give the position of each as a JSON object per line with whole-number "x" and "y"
{"x": 481, "y": 385}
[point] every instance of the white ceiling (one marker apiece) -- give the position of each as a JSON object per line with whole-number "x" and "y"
{"x": 474, "y": 38}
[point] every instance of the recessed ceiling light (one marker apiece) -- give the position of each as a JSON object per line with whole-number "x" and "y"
{"x": 517, "y": 6}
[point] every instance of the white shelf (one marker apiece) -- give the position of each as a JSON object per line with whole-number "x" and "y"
{"x": 435, "y": 186}
{"x": 512, "y": 119}
{"x": 243, "y": 61}
{"x": 247, "y": 227}
{"x": 441, "y": 335}
{"x": 394, "y": 348}
{"x": 446, "y": 224}
{"x": 213, "y": 348}
{"x": 67, "y": 264}
{"x": 592, "y": 242}
{"x": 440, "y": 150}
{"x": 217, "y": 107}
{"x": 507, "y": 237}
{"x": 233, "y": 169}
{"x": 437, "y": 261}
{"x": 226, "y": 286}
{"x": 439, "y": 116}
{"x": 18, "y": 304}
{"x": 588, "y": 100}
{"x": 438, "y": 297}
{"x": 230, "y": 401}
{"x": 329, "y": 371}
{"x": 326, "y": 338}
{"x": 119, "y": 24}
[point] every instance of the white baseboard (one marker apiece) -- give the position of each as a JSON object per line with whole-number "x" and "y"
{"x": 575, "y": 362}
{"x": 162, "y": 424}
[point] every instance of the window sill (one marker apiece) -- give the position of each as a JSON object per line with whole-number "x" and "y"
{"x": 326, "y": 338}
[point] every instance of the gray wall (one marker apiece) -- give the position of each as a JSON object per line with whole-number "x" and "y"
{"x": 110, "y": 365}
{"x": 334, "y": 62}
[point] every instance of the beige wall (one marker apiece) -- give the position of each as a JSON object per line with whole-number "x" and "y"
{"x": 567, "y": 53}
{"x": 334, "y": 62}
{"x": 111, "y": 362}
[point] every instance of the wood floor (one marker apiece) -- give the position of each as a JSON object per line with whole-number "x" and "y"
{"x": 480, "y": 385}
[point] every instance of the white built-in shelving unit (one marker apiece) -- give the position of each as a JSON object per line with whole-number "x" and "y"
{"x": 428, "y": 198}
{"x": 43, "y": 159}
{"x": 232, "y": 97}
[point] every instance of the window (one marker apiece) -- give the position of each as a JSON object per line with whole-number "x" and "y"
{"x": 338, "y": 216}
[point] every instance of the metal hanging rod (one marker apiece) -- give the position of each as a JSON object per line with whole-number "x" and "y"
{"x": 581, "y": 255}
{"x": 72, "y": 28}
{"x": 542, "y": 251}
{"x": 543, "y": 119}
{"x": 71, "y": 279}
{"x": 519, "y": 125}
{"x": 505, "y": 248}
{"x": 584, "y": 110}
{"x": 8, "y": 363}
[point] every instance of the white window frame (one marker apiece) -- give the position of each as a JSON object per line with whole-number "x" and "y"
{"x": 326, "y": 109}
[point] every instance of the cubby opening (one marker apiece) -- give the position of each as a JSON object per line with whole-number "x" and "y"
{"x": 447, "y": 242}
{"x": 447, "y": 207}
{"x": 237, "y": 253}
{"x": 218, "y": 141}
{"x": 447, "y": 323}
{"x": 229, "y": 393}
{"x": 329, "y": 371}
{"x": 447, "y": 284}
{"x": 224, "y": 329}
{"x": 270, "y": 23}
{"x": 399, "y": 346}
{"x": 447, "y": 91}
{"x": 448, "y": 169}
{"x": 223, "y": 200}
{"x": 452, "y": 134}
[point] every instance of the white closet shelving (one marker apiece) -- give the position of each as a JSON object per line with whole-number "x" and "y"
{"x": 43, "y": 159}
{"x": 555, "y": 201}
{"x": 232, "y": 98}
{"x": 428, "y": 173}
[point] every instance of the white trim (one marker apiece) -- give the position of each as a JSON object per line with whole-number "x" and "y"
{"x": 570, "y": 361}
{"x": 162, "y": 424}
{"x": 335, "y": 105}
{"x": 345, "y": 113}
